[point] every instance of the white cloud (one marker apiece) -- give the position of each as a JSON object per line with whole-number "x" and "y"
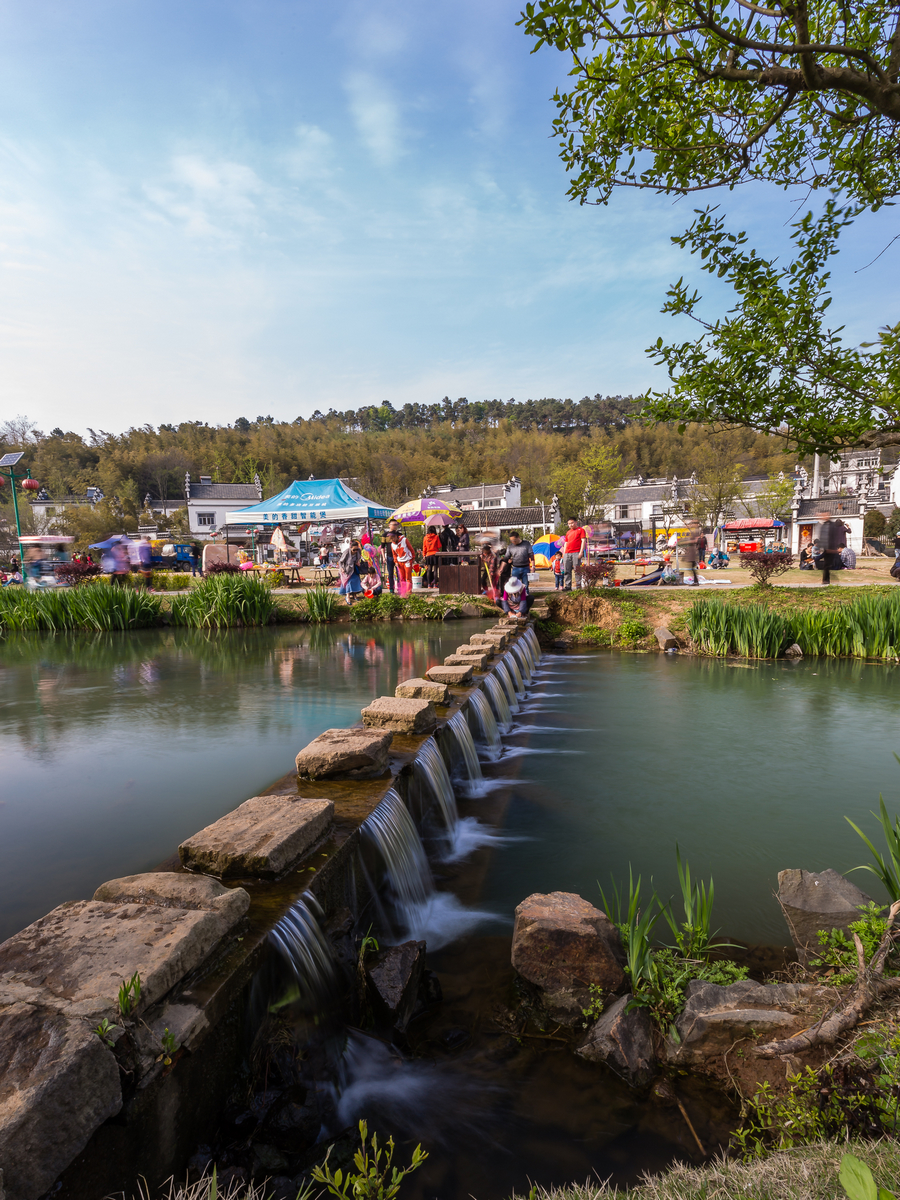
{"x": 376, "y": 116}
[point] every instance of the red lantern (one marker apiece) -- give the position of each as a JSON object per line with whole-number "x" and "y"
{"x": 31, "y": 485}
{"x": 2, "y": 481}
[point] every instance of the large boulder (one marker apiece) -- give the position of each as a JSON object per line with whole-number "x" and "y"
{"x": 624, "y": 1041}
{"x": 563, "y": 945}
{"x": 716, "y": 1017}
{"x": 814, "y": 900}
{"x": 59, "y": 1083}
{"x": 350, "y": 753}
{"x": 402, "y": 714}
{"x": 264, "y": 837}
{"x": 395, "y": 975}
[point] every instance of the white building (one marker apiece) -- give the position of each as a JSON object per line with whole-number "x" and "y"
{"x": 482, "y": 495}
{"x": 208, "y": 502}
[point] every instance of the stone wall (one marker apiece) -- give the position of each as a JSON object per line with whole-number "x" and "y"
{"x": 95, "y": 1111}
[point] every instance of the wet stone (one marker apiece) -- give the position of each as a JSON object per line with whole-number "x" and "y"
{"x": 264, "y": 837}
{"x": 624, "y": 1041}
{"x": 478, "y": 662}
{"x": 450, "y": 675}
{"x": 400, "y": 714}
{"x": 423, "y": 689}
{"x": 394, "y": 976}
{"x": 814, "y": 900}
{"x": 475, "y": 649}
{"x": 348, "y": 753}
{"x": 665, "y": 638}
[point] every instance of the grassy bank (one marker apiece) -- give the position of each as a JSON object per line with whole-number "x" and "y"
{"x": 753, "y": 623}
{"x": 806, "y": 1173}
{"x": 218, "y": 602}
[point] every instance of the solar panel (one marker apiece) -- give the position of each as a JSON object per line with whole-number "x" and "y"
{"x": 10, "y": 460}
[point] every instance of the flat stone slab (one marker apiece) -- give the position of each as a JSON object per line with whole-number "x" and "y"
{"x": 352, "y": 753}
{"x": 423, "y": 689}
{"x": 59, "y": 1083}
{"x": 402, "y": 714}
{"x": 75, "y": 959}
{"x": 665, "y": 638}
{"x": 814, "y": 900}
{"x": 450, "y": 675}
{"x": 476, "y": 661}
{"x": 167, "y": 889}
{"x": 264, "y": 837}
{"x": 479, "y": 648}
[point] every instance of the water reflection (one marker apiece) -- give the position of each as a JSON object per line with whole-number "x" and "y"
{"x": 115, "y": 747}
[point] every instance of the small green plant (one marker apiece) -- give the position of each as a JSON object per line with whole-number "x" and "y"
{"x": 813, "y": 1110}
{"x": 593, "y": 633}
{"x": 887, "y": 869}
{"x": 321, "y": 605}
{"x": 859, "y": 1182}
{"x": 375, "y": 1178}
{"x": 694, "y": 936}
{"x": 129, "y": 994}
{"x": 104, "y": 1032}
{"x": 838, "y": 953}
{"x": 631, "y": 630}
{"x": 636, "y": 923}
{"x": 169, "y": 1048}
{"x": 879, "y": 1049}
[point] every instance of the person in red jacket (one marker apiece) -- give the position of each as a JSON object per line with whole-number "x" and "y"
{"x": 431, "y": 547}
{"x": 403, "y": 561}
{"x": 573, "y": 549}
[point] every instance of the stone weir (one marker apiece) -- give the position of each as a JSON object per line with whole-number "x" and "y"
{"x": 123, "y": 1017}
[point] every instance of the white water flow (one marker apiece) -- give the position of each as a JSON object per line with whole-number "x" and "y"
{"x": 414, "y": 907}
{"x": 459, "y": 727}
{"x": 299, "y": 940}
{"x": 533, "y": 644}
{"x": 513, "y": 667}
{"x": 487, "y": 725}
{"x": 509, "y": 687}
{"x": 430, "y": 767}
{"x": 526, "y": 666}
{"x": 497, "y": 697}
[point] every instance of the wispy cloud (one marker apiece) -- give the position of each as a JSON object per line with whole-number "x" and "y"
{"x": 376, "y": 115}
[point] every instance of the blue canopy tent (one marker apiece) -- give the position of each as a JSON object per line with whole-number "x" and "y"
{"x": 310, "y": 500}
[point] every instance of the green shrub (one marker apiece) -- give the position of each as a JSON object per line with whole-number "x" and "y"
{"x": 593, "y": 633}
{"x": 224, "y": 601}
{"x": 90, "y": 606}
{"x": 631, "y": 631}
{"x": 321, "y": 605}
{"x": 837, "y": 955}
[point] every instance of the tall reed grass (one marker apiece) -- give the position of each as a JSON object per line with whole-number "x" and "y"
{"x": 867, "y": 626}
{"x": 91, "y": 606}
{"x": 224, "y": 601}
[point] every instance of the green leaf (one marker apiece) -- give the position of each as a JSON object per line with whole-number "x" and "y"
{"x": 856, "y": 1179}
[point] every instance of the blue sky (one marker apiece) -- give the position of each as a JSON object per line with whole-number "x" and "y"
{"x": 212, "y": 210}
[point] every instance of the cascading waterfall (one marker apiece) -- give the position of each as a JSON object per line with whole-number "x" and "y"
{"x": 506, "y": 679}
{"x": 513, "y": 667}
{"x": 459, "y": 727}
{"x": 533, "y": 642}
{"x": 430, "y": 766}
{"x": 414, "y": 907}
{"x": 302, "y": 945}
{"x": 497, "y": 697}
{"x": 487, "y": 725}
{"x": 526, "y": 666}
{"x": 392, "y": 831}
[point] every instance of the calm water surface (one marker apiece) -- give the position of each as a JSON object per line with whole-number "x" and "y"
{"x": 116, "y": 748}
{"x": 750, "y": 768}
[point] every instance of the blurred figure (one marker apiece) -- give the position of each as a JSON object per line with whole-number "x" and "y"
{"x": 196, "y": 569}
{"x": 689, "y": 550}
{"x": 145, "y": 562}
{"x": 831, "y": 538}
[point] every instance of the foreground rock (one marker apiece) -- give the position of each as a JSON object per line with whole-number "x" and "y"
{"x": 624, "y": 1041}
{"x": 75, "y": 959}
{"x": 395, "y": 976}
{"x": 264, "y": 837}
{"x": 59, "y": 1083}
{"x": 562, "y": 945}
{"x": 351, "y": 753}
{"x": 666, "y": 638}
{"x": 715, "y": 1018}
{"x": 423, "y": 689}
{"x": 814, "y": 900}
{"x": 59, "y": 977}
{"x": 402, "y": 715}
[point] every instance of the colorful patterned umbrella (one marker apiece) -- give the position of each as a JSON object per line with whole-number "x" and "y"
{"x": 426, "y": 511}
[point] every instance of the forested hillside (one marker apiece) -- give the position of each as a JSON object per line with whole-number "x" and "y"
{"x": 390, "y": 453}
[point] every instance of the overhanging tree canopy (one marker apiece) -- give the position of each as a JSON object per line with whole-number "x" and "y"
{"x": 680, "y": 95}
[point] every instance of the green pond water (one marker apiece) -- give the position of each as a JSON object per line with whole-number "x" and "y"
{"x": 749, "y": 767}
{"x": 115, "y": 748}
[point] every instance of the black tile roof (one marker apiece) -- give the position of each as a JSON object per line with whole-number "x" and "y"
{"x": 224, "y": 491}
{"x": 506, "y": 518}
{"x": 835, "y": 506}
